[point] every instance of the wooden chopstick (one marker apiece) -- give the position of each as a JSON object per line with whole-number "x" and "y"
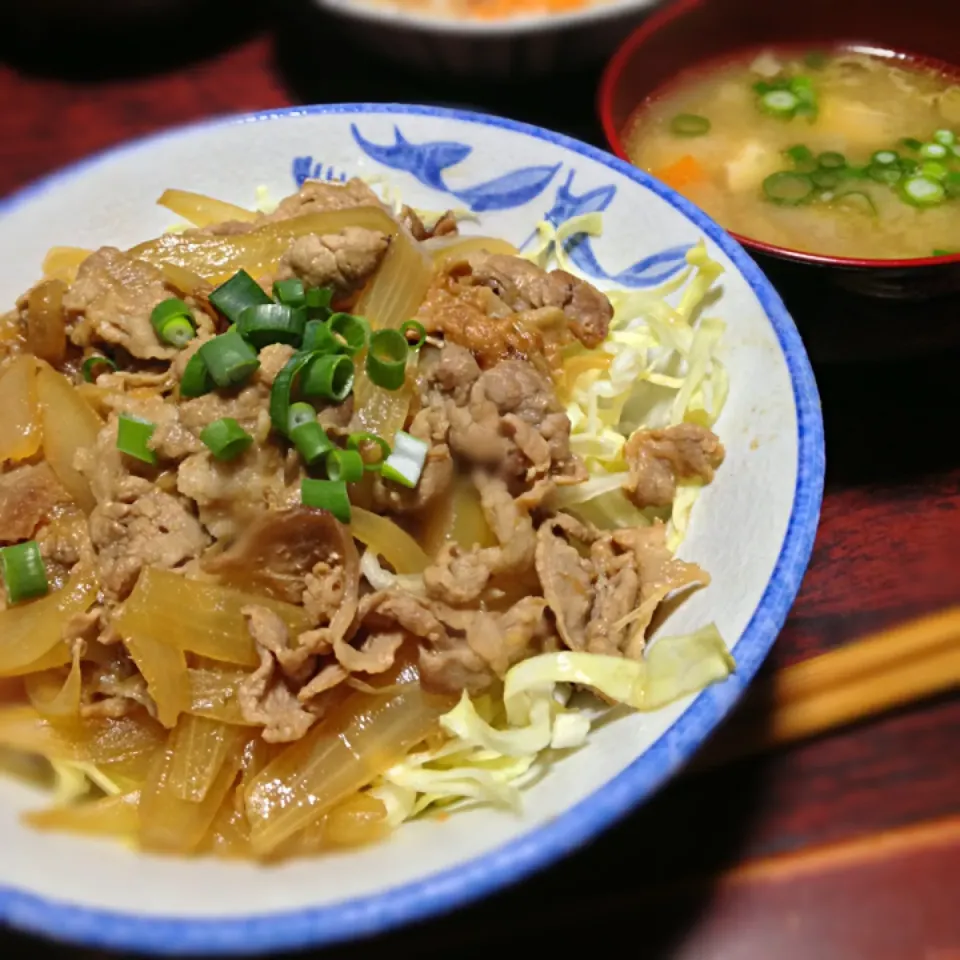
{"x": 859, "y": 680}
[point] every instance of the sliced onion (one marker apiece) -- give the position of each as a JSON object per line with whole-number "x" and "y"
{"x": 446, "y": 250}
{"x": 202, "y": 210}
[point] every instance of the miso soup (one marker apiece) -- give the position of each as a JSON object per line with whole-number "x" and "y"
{"x": 847, "y": 153}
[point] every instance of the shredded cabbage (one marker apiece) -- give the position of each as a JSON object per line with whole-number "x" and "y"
{"x": 70, "y": 781}
{"x": 595, "y": 486}
{"x": 551, "y": 241}
{"x": 390, "y": 195}
{"x": 430, "y": 218}
{"x": 673, "y": 668}
{"x": 687, "y": 493}
{"x": 664, "y": 370}
{"x": 496, "y": 746}
{"x": 73, "y": 780}
{"x": 264, "y": 202}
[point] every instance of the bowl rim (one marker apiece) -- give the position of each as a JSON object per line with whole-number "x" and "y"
{"x": 502, "y": 29}
{"x": 461, "y": 884}
{"x": 610, "y": 81}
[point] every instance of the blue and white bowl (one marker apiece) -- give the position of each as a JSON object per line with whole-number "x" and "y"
{"x": 753, "y": 528}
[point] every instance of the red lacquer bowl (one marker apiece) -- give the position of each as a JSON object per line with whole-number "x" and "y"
{"x": 846, "y": 308}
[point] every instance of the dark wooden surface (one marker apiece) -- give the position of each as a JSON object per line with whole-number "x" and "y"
{"x": 846, "y": 847}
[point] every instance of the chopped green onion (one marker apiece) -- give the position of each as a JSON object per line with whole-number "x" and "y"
{"x": 765, "y": 86}
{"x": 405, "y": 464}
{"x": 858, "y": 200}
{"x": 779, "y": 103}
{"x": 89, "y": 368}
{"x": 885, "y": 157}
{"x": 911, "y": 143}
{"x": 831, "y": 160}
{"x": 802, "y": 157}
{"x": 311, "y": 440}
{"x": 299, "y": 414}
{"x": 167, "y": 309}
{"x": 196, "y": 379}
{"x": 802, "y": 89}
{"x": 226, "y": 438}
{"x": 173, "y": 321}
{"x": 853, "y": 173}
{"x": 788, "y": 189}
{"x": 229, "y": 358}
{"x": 945, "y": 137}
{"x": 238, "y": 293}
{"x": 922, "y": 192}
{"x": 908, "y": 165}
{"x": 317, "y": 338}
{"x": 357, "y": 440}
{"x": 24, "y": 573}
{"x": 354, "y": 332}
{"x": 418, "y": 329}
{"x": 883, "y": 174}
{"x": 269, "y": 323}
{"x": 318, "y": 300}
{"x": 387, "y": 359}
{"x": 933, "y": 151}
{"x": 826, "y": 179}
{"x": 178, "y": 332}
{"x": 329, "y": 377}
{"x": 290, "y": 292}
{"x": 281, "y": 393}
{"x": 934, "y": 170}
{"x": 133, "y": 436}
{"x": 328, "y": 495}
{"x": 345, "y": 465}
{"x": 171, "y": 307}
{"x": 689, "y": 125}
{"x": 951, "y": 184}
{"x": 945, "y": 253}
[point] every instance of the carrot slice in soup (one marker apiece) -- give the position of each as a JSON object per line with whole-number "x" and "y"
{"x": 681, "y": 173}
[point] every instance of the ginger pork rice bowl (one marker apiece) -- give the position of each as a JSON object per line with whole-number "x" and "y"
{"x": 392, "y": 498}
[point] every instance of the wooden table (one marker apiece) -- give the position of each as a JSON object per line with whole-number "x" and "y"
{"x": 847, "y": 847}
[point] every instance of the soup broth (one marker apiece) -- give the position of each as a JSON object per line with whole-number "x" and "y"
{"x": 847, "y": 153}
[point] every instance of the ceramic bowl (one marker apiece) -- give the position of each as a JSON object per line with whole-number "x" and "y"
{"x": 846, "y": 308}
{"x": 753, "y": 528}
{"x": 504, "y": 49}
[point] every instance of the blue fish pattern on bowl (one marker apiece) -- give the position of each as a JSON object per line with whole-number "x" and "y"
{"x": 428, "y": 162}
{"x": 305, "y": 169}
{"x": 648, "y": 272}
